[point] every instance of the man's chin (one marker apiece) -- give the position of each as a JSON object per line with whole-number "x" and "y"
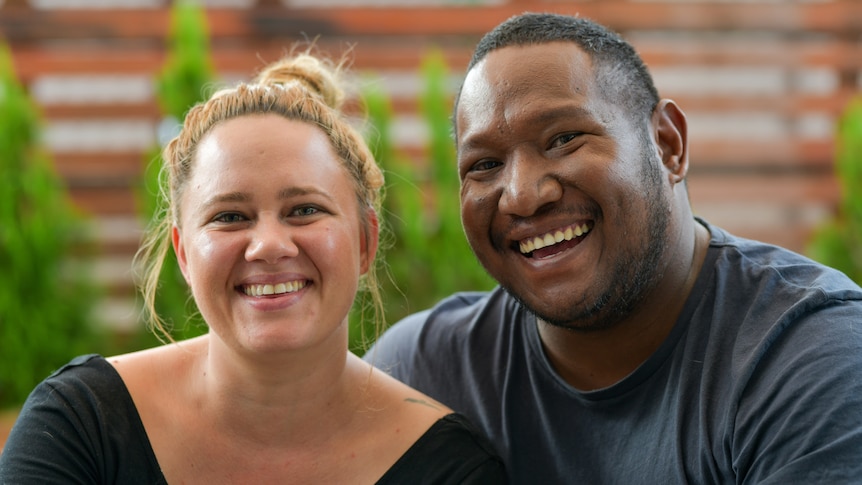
{"x": 578, "y": 318}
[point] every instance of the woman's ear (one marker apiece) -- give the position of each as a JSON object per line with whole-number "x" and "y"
{"x": 671, "y": 136}
{"x": 180, "y": 251}
{"x": 369, "y": 240}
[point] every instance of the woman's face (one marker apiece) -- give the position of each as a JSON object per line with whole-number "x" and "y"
{"x": 270, "y": 239}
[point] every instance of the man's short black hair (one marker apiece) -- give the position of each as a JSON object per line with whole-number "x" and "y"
{"x": 620, "y": 73}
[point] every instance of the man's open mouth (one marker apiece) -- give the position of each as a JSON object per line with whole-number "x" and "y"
{"x": 554, "y": 241}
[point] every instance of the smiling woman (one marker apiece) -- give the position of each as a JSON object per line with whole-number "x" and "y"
{"x": 294, "y": 205}
{"x": 272, "y": 202}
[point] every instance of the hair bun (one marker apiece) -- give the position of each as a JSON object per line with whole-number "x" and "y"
{"x": 316, "y": 75}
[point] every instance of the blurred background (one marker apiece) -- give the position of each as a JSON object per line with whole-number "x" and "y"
{"x": 89, "y": 88}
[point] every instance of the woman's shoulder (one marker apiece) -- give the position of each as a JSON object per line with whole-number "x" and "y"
{"x": 452, "y": 450}
{"x": 148, "y": 365}
{"x": 403, "y": 400}
{"x": 431, "y": 436}
{"x": 156, "y": 379}
{"x": 84, "y": 377}
{"x": 87, "y": 405}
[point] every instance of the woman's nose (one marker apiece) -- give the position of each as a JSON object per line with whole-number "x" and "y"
{"x": 271, "y": 240}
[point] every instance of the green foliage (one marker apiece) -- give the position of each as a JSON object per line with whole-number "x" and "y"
{"x": 838, "y": 243}
{"x": 187, "y": 71}
{"x": 188, "y": 67}
{"x": 46, "y": 294}
{"x": 429, "y": 257}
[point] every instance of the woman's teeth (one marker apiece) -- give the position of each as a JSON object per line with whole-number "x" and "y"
{"x": 529, "y": 245}
{"x": 276, "y": 289}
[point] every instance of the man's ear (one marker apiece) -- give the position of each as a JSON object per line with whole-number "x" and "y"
{"x": 670, "y": 130}
{"x": 369, "y": 240}
{"x": 180, "y": 251}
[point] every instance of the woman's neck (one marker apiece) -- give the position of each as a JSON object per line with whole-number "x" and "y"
{"x": 276, "y": 399}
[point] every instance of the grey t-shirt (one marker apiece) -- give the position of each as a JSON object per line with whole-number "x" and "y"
{"x": 760, "y": 381}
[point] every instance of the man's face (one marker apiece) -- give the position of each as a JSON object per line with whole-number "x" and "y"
{"x": 563, "y": 197}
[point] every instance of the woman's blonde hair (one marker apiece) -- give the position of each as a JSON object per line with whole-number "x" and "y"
{"x": 299, "y": 87}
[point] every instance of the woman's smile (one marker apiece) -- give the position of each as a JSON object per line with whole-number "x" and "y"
{"x": 274, "y": 289}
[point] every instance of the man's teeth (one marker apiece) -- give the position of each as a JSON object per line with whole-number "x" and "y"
{"x": 278, "y": 288}
{"x": 560, "y": 235}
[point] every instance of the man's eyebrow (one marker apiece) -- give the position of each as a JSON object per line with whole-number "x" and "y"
{"x": 540, "y": 117}
{"x": 559, "y": 112}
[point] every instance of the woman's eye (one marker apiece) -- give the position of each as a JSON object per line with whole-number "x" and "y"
{"x": 229, "y": 217}
{"x": 305, "y": 211}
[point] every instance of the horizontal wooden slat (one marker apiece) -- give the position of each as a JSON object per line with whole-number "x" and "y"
{"x": 148, "y": 110}
{"x": 247, "y": 56}
{"x": 104, "y": 201}
{"x": 775, "y": 189}
{"x": 100, "y": 165}
{"x": 797, "y": 51}
{"x": 786, "y": 104}
{"x": 733, "y": 154}
{"x": 21, "y": 24}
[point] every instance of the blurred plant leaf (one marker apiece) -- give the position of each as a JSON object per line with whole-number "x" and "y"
{"x": 838, "y": 242}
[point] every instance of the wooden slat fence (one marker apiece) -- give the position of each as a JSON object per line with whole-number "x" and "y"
{"x": 762, "y": 82}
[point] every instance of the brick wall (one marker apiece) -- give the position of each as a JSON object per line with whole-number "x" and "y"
{"x": 761, "y": 81}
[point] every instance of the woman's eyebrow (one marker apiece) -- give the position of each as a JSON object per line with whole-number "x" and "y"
{"x": 297, "y": 191}
{"x": 228, "y": 197}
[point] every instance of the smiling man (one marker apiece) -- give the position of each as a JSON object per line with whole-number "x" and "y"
{"x": 628, "y": 341}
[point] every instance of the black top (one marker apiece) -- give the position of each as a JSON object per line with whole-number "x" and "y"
{"x": 80, "y": 425}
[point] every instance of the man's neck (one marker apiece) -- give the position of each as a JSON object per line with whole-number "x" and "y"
{"x": 594, "y": 359}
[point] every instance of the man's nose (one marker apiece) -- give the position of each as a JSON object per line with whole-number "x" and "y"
{"x": 528, "y": 186}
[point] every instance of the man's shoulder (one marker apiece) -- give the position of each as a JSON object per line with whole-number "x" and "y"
{"x": 466, "y": 303}
{"x": 444, "y": 329}
{"x": 754, "y": 261}
{"x": 458, "y": 313}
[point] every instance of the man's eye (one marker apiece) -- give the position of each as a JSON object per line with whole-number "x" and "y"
{"x": 484, "y": 165}
{"x": 229, "y": 217}
{"x": 563, "y": 139}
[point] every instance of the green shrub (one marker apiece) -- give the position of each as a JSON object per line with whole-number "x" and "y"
{"x": 187, "y": 71}
{"x": 428, "y": 256}
{"x": 46, "y": 293}
{"x": 838, "y": 242}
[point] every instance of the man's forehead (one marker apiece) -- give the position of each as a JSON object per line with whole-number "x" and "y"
{"x": 559, "y": 52}
{"x": 516, "y": 68}
{"x": 538, "y": 71}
